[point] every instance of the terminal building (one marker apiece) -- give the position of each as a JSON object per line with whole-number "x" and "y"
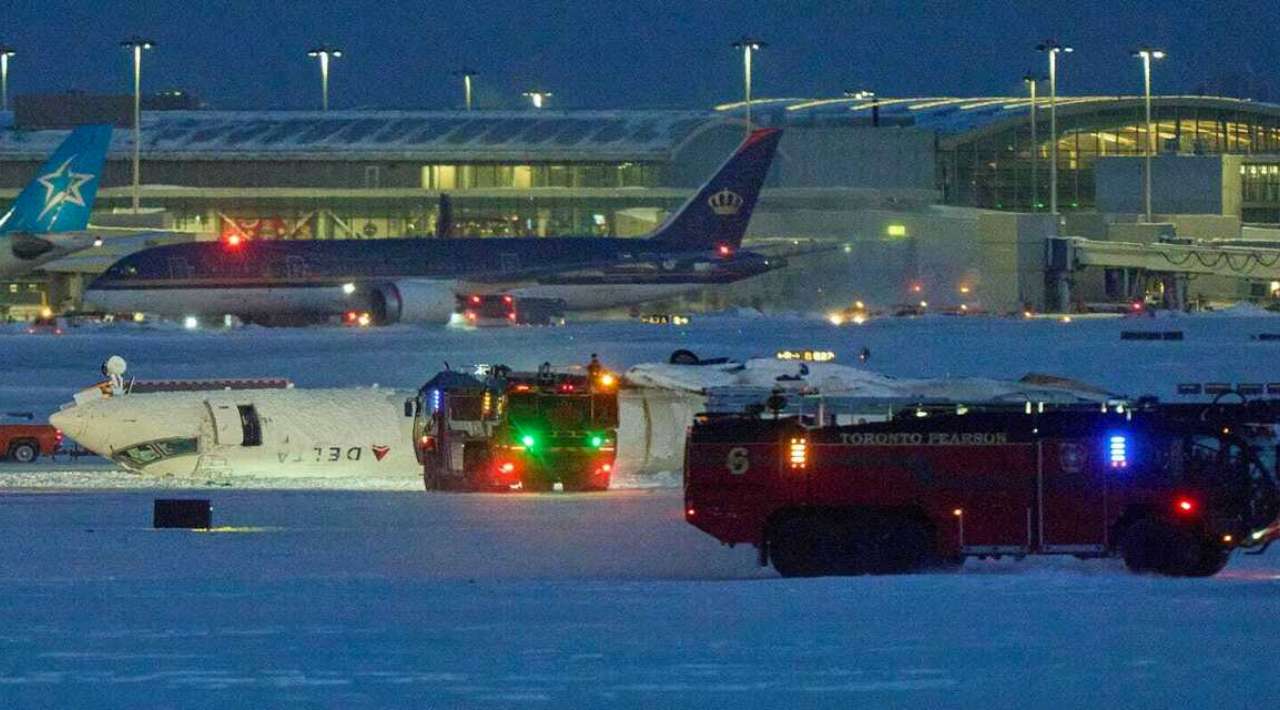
{"x": 911, "y": 193}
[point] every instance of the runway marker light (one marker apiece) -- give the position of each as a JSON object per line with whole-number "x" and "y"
{"x": 191, "y": 323}
{"x": 1185, "y": 506}
{"x": 798, "y": 453}
{"x": 1227, "y": 539}
{"x": 958, "y": 512}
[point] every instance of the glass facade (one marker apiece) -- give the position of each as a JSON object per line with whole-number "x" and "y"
{"x": 995, "y": 170}
{"x": 479, "y": 176}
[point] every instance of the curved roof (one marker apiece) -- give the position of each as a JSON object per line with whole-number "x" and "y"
{"x": 552, "y": 136}
{"x": 426, "y": 135}
{"x": 961, "y": 118}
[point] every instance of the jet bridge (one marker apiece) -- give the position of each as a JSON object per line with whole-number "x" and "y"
{"x": 1174, "y": 260}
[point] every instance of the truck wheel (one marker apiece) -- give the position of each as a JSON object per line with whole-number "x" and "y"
{"x": 807, "y": 547}
{"x": 898, "y": 545}
{"x": 537, "y": 485}
{"x": 24, "y": 452}
{"x": 1212, "y": 559}
{"x": 1154, "y": 546}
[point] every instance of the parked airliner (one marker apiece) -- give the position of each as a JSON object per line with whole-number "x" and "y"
{"x": 419, "y": 280}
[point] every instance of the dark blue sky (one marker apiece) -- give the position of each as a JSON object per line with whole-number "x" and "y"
{"x": 602, "y": 54}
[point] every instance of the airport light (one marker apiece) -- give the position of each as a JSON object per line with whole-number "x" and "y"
{"x": 859, "y": 94}
{"x": 5, "y": 52}
{"x": 538, "y": 98}
{"x": 1053, "y": 48}
{"x": 324, "y": 54}
{"x": 1032, "y": 80}
{"x": 136, "y": 46}
{"x": 466, "y": 75}
{"x": 1146, "y": 54}
{"x": 748, "y": 45}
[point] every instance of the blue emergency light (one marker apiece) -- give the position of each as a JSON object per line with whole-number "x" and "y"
{"x": 1118, "y": 450}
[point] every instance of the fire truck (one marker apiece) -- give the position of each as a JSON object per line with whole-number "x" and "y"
{"x": 1170, "y": 488}
{"x": 504, "y": 430}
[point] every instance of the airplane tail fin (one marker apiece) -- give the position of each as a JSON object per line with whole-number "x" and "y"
{"x": 61, "y": 196}
{"x": 719, "y": 213}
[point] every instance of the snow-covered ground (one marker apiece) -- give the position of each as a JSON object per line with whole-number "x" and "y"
{"x": 383, "y": 598}
{"x": 376, "y": 599}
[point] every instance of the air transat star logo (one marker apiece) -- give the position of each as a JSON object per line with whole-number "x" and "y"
{"x": 63, "y": 186}
{"x": 380, "y": 452}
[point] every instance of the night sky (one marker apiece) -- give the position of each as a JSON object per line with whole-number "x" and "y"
{"x": 646, "y": 53}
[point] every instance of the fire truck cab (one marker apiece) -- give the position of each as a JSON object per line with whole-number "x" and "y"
{"x": 1172, "y": 489}
{"x": 528, "y": 430}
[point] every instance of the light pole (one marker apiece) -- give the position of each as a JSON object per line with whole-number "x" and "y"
{"x": 1031, "y": 80}
{"x": 5, "y": 52}
{"x": 1053, "y": 48}
{"x": 325, "y": 54}
{"x": 466, "y": 75}
{"x": 1146, "y": 54}
{"x": 538, "y": 97}
{"x": 748, "y": 45}
{"x": 136, "y": 45}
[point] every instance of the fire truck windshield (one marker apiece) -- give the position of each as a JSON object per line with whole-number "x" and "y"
{"x": 563, "y": 413}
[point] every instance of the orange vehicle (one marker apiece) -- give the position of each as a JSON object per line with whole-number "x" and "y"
{"x": 24, "y": 443}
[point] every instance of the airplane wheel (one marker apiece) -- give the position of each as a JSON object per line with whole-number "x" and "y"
{"x": 24, "y": 452}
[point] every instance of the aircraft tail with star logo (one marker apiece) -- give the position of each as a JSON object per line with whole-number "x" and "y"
{"x": 61, "y": 196}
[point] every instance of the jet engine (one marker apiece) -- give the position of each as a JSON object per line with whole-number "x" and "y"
{"x": 413, "y": 301}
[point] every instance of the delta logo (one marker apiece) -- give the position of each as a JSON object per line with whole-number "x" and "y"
{"x": 380, "y": 452}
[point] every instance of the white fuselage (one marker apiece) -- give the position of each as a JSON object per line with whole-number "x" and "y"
{"x": 269, "y": 433}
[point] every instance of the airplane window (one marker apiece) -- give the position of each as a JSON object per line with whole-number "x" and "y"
{"x": 140, "y": 455}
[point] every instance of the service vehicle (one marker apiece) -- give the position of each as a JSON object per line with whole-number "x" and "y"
{"x": 1170, "y": 488}
{"x": 24, "y": 443}
{"x": 503, "y": 430}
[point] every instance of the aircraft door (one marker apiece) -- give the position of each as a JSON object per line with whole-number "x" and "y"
{"x": 227, "y": 427}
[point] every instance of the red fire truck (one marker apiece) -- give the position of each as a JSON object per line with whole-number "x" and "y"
{"x": 1172, "y": 489}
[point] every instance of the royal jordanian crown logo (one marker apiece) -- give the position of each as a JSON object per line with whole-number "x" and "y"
{"x": 725, "y": 203}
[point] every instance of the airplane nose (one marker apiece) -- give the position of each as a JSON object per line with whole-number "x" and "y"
{"x": 68, "y": 421}
{"x": 75, "y": 424}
